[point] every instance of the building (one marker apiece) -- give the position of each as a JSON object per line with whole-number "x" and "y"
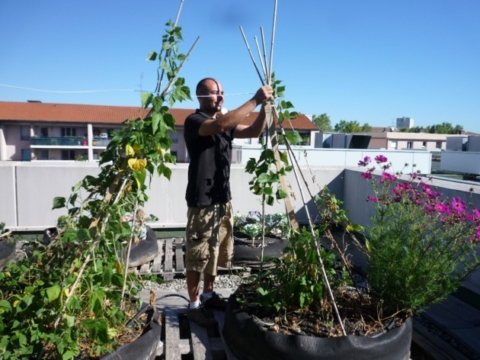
{"x": 405, "y": 123}
{"x": 44, "y": 131}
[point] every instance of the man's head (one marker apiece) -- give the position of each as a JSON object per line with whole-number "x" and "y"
{"x": 210, "y": 96}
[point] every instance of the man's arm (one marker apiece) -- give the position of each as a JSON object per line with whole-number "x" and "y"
{"x": 254, "y": 130}
{"x": 231, "y": 119}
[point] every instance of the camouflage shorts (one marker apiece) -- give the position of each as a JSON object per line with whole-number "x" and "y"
{"x": 209, "y": 238}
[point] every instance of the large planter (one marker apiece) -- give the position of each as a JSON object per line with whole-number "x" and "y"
{"x": 248, "y": 342}
{"x": 144, "y": 347}
{"x": 250, "y": 254}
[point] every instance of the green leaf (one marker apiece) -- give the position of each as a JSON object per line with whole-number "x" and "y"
{"x": 4, "y": 304}
{"x": 156, "y": 119}
{"x": 281, "y": 194}
{"x": 293, "y": 137}
{"x": 53, "y": 293}
{"x": 284, "y": 157}
{"x": 152, "y": 56}
{"x": 83, "y": 234}
{"x": 70, "y": 234}
{"x": 69, "y": 320}
{"x": 59, "y": 202}
{"x": 263, "y": 178}
{"x": 146, "y": 99}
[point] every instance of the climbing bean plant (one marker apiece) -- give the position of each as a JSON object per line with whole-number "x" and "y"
{"x": 68, "y": 296}
{"x": 266, "y": 179}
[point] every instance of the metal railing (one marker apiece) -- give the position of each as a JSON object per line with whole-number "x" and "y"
{"x": 67, "y": 141}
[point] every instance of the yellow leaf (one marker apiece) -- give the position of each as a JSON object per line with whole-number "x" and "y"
{"x": 66, "y": 292}
{"x": 15, "y": 303}
{"x": 129, "y": 150}
{"x": 112, "y": 332}
{"x": 118, "y": 267}
{"x": 137, "y": 164}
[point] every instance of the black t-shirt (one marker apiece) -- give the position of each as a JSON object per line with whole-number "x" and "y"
{"x": 209, "y": 168}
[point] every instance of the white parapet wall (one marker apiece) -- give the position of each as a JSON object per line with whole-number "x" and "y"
{"x": 28, "y": 188}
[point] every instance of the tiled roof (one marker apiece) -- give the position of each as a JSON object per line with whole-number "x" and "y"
{"x": 104, "y": 114}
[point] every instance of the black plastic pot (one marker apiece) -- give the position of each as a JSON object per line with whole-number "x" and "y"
{"x": 244, "y": 252}
{"x": 248, "y": 342}
{"x": 144, "y": 251}
{"x": 145, "y": 347}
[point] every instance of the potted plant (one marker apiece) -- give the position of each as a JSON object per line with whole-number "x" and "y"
{"x": 313, "y": 304}
{"x": 74, "y": 295}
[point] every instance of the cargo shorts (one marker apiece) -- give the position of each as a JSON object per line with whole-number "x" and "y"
{"x": 209, "y": 238}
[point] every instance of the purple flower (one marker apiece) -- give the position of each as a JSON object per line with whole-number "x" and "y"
{"x": 373, "y": 199}
{"x": 388, "y": 177}
{"x": 367, "y": 175}
{"x": 366, "y": 160}
{"x": 380, "y": 159}
{"x": 442, "y": 208}
{"x": 458, "y": 205}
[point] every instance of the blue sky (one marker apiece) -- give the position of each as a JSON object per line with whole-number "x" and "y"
{"x": 370, "y": 61}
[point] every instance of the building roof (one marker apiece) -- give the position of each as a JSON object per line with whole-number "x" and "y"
{"x": 104, "y": 114}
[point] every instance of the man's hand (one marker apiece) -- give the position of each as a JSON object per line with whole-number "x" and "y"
{"x": 262, "y": 94}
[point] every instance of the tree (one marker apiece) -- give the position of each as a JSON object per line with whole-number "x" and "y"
{"x": 444, "y": 128}
{"x": 323, "y": 122}
{"x": 353, "y": 126}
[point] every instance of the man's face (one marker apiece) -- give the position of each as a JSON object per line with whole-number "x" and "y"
{"x": 211, "y": 98}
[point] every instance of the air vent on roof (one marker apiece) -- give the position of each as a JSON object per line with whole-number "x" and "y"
{"x": 34, "y": 101}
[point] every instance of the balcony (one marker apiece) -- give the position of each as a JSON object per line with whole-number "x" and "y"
{"x": 67, "y": 141}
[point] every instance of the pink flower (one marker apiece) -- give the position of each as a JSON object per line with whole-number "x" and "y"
{"x": 367, "y": 175}
{"x": 380, "y": 159}
{"x": 476, "y": 214}
{"x": 373, "y": 199}
{"x": 442, "y": 208}
{"x": 458, "y": 205}
{"x": 387, "y": 177}
{"x": 366, "y": 160}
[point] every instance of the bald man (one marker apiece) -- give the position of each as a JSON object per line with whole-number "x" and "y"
{"x": 208, "y": 135}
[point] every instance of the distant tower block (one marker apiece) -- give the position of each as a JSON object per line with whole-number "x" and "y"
{"x": 405, "y": 122}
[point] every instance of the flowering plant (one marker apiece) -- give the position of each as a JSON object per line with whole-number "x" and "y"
{"x": 420, "y": 245}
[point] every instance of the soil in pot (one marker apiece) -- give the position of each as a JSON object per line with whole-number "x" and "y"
{"x": 306, "y": 336}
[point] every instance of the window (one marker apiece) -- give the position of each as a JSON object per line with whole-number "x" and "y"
{"x": 69, "y": 132}
{"x": 439, "y": 144}
{"x": 409, "y": 144}
{"x": 26, "y": 155}
{"x": 25, "y": 132}
{"x": 173, "y": 136}
{"x": 424, "y": 144}
{"x": 68, "y": 154}
{"x": 43, "y": 154}
{"x": 44, "y": 131}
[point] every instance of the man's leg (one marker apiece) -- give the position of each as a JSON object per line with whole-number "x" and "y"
{"x": 193, "y": 285}
{"x": 208, "y": 281}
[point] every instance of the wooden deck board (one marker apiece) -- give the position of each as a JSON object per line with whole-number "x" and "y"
{"x": 168, "y": 273}
{"x": 200, "y": 343}
{"x": 172, "y": 335}
{"x": 179, "y": 266}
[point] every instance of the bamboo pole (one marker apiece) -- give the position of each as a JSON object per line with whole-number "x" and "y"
{"x": 312, "y": 232}
{"x": 251, "y": 57}
{"x": 265, "y": 55}
{"x": 273, "y": 40}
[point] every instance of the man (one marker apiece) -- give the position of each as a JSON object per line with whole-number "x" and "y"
{"x": 208, "y": 136}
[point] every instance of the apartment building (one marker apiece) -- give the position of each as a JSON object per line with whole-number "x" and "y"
{"x": 36, "y": 131}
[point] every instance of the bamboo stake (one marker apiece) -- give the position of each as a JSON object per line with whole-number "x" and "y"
{"x": 251, "y": 56}
{"x": 265, "y": 72}
{"x": 178, "y": 13}
{"x": 162, "y": 74}
{"x": 265, "y": 54}
{"x": 273, "y": 41}
{"x": 312, "y": 232}
{"x": 164, "y": 92}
